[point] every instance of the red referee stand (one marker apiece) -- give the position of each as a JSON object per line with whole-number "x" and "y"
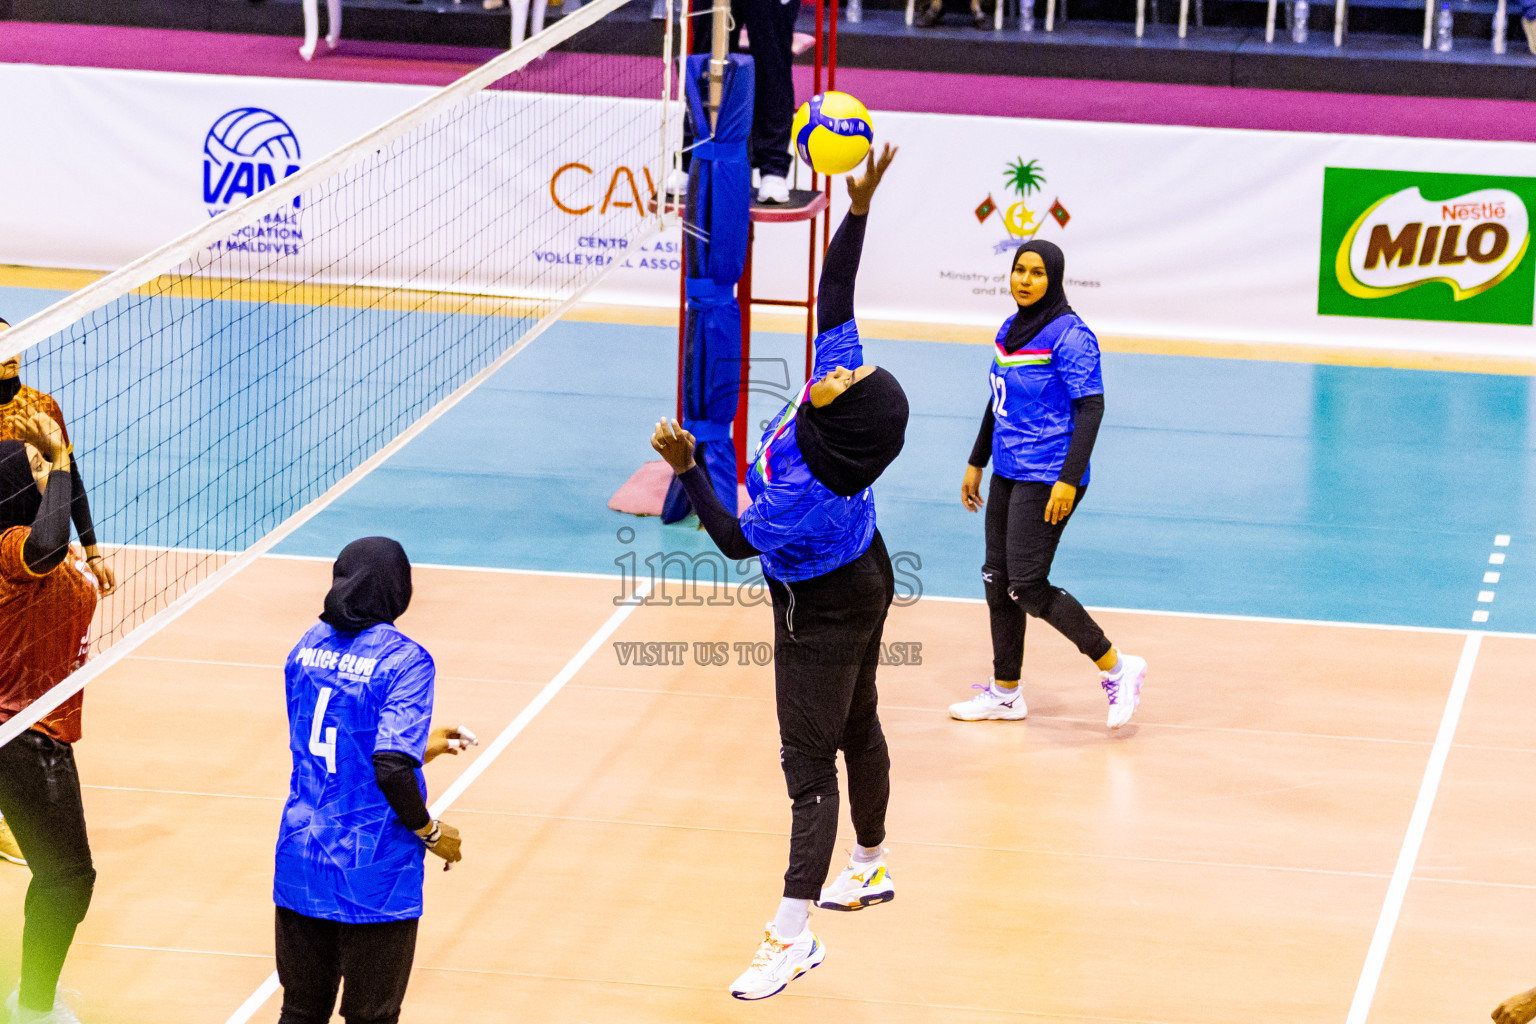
{"x": 804, "y": 206}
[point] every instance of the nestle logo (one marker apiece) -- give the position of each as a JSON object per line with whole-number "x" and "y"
{"x": 1472, "y": 211}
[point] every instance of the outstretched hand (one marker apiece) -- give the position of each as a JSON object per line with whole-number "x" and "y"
{"x": 39, "y": 431}
{"x": 674, "y": 444}
{"x": 862, "y": 189}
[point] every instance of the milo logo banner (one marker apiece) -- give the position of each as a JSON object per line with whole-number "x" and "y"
{"x": 1423, "y": 246}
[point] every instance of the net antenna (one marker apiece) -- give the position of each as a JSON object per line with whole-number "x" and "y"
{"x": 227, "y": 387}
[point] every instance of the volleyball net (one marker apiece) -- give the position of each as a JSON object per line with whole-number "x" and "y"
{"x": 222, "y": 390}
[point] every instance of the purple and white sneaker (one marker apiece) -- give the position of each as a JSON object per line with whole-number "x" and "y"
{"x": 990, "y": 705}
{"x": 1123, "y": 688}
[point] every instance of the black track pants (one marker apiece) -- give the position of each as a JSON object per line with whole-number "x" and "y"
{"x": 1020, "y": 548}
{"x": 314, "y": 955}
{"x": 826, "y": 650}
{"x": 40, "y": 798}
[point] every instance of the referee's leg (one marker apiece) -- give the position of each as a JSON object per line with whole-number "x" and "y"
{"x": 40, "y": 798}
{"x": 772, "y": 27}
{"x": 308, "y": 966}
{"x": 376, "y": 965}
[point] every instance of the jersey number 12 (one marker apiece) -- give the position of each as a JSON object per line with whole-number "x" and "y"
{"x": 326, "y": 748}
{"x": 999, "y": 395}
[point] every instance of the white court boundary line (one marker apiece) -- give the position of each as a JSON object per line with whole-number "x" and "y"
{"x": 477, "y": 767}
{"x": 1407, "y": 858}
{"x": 1106, "y": 609}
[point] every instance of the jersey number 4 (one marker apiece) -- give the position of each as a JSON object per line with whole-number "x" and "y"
{"x": 323, "y": 748}
{"x": 999, "y": 395}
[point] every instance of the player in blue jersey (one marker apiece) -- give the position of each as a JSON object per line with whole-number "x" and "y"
{"x": 355, "y": 828}
{"x": 812, "y": 523}
{"x": 1038, "y": 430}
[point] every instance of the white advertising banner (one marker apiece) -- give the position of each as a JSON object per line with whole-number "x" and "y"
{"x": 1169, "y": 232}
{"x": 102, "y": 166}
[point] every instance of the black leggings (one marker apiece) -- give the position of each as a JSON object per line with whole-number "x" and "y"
{"x": 314, "y": 955}
{"x": 40, "y": 798}
{"x": 826, "y": 649}
{"x": 1020, "y": 548}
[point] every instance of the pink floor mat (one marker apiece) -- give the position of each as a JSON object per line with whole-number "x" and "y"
{"x": 645, "y": 491}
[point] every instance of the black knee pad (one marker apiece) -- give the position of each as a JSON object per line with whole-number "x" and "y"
{"x": 808, "y": 776}
{"x": 995, "y": 584}
{"x": 1034, "y": 596}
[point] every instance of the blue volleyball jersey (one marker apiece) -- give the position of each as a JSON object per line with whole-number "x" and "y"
{"x": 342, "y": 855}
{"x": 802, "y": 527}
{"x": 1032, "y": 394}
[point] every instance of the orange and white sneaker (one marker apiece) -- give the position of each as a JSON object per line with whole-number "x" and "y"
{"x": 8, "y": 848}
{"x": 777, "y": 962}
{"x": 859, "y": 886}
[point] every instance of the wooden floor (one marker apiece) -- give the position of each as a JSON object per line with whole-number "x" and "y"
{"x": 1224, "y": 858}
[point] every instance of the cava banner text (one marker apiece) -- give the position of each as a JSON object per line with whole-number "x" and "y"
{"x": 1169, "y": 232}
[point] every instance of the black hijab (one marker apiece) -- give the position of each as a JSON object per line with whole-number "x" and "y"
{"x": 370, "y": 584}
{"x": 19, "y": 496}
{"x": 1031, "y": 320}
{"x": 848, "y": 443}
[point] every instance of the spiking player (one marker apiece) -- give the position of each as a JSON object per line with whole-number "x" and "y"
{"x": 812, "y": 522}
{"x": 350, "y": 849}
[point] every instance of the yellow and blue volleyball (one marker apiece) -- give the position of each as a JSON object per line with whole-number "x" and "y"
{"x": 832, "y": 132}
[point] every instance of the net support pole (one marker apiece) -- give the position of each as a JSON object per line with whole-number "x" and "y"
{"x": 719, "y": 43}
{"x": 741, "y": 426}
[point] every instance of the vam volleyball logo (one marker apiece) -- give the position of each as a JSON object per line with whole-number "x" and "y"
{"x": 246, "y": 150}
{"x": 1427, "y": 246}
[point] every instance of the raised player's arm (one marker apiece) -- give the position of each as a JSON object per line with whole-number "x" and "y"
{"x": 46, "y": 543}
{"x": 834, "y": 298}
{"x": 837, "y": 339}
{"x": 80, "y": 507}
